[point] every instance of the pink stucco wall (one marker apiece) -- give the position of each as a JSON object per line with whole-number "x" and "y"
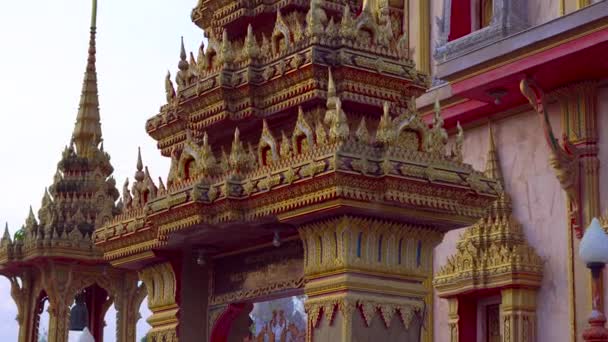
{"x": 602, "y": 118}
{"x": 539, "y": 205}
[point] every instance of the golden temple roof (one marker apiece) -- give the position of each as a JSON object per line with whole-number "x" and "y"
{"x": 87, "y": 131}
{"x": 83, "y": 193}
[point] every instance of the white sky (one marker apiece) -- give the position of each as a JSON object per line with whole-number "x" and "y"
{"x": 43, "y": 47}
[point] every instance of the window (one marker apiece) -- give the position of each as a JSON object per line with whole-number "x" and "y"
{"x": 469, "y": 15}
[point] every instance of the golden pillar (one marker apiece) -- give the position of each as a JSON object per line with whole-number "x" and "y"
{"x": 518, "y": 314}
{"x": 58, "y": 282}
{"x": 127, "y": 303}
{"x": 453, "y": 319}
{"x": 365, "y": 278}
{"x": 24, "y": 294}
{"x": 161, "y": 285}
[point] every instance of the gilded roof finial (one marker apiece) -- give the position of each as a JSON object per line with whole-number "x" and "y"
{"x": 251, "y": 49}
{"x": 161, "y": 185}
{"x": 331, "y": 91}
{"x": 385, "y": 133}
{"x": 87, "y": 131}
{"x": 7, "y": 235}
{"x": 437, "y": 107}
{"x": 458, "y": 144}
{"x": 183, "y": 63}
{"x": 502, "y": 206}
{"x": 139, "y": 174}
{"x": 492, "y": 162}
{"x": 362, "y": 133}
{"x": 367, "y": 6}
{"x": 331, "y": 85}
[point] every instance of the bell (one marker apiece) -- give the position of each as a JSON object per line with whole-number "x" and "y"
{"x": 79, "y": 315}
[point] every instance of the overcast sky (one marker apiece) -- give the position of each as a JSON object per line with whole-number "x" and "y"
{"x": 43, "y": 47}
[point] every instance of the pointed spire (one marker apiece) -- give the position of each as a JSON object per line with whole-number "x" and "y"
{"x": 251, "y": 48}
{"x": 339, "y": 130}
{"x": 331, "y": 86}
{"x": 147, "y": 173}
{"x": 492, "y": 162}
{"x": 205, "y": 139}
{"x": 362, "y": 132}
{"x": 201, "y": 54}
{"x": 438, "y": 119}
{"x": 224, "y": 161}
{"x": 31, "y": 216}
{"x": 183, "y": 63}
{"x": 87, "y": 131}
{"x": 320, "y": 132}
{"x": 7, "y": 235}
{"x": 139, "y": 174}
{"x": 237, "y": 152}
{"x": 46, "y": 199}
{"x": 161, "y": 184}
{"x": 207, "y": 162}
{"x": 285, "y": 147}
{"x": 458, "y": 144}
{"x": 385, "y": 133}
{"x": 226, "y": 49}
{"x": 367, "y": 7}
{"x": 502, "y": 207}
{"x": 169, "y": 88}
{"x": 193, "y": 63}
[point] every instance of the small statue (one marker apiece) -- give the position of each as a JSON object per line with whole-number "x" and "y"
{"x": 126, "y": 195}
{"x": 169, "y": 88}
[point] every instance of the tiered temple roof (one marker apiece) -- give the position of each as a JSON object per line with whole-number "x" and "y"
{"x": 83, "y": 193}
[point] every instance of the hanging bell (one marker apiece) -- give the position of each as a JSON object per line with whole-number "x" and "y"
{"x": 79, "y": 315}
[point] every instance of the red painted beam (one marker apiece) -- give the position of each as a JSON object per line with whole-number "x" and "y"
{"x": 576, "y": 60}
{"x": 576, "y": 46}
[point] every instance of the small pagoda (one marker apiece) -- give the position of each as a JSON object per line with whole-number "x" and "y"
{"x": 52, "y": 257}
{"x": 299, "y": 165}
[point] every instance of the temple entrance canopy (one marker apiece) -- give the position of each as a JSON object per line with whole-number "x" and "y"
{"x": 52, "y": 260}
{"x": 296, "y": 124}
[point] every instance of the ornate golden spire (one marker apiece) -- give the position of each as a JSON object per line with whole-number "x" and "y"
{"x": 139, "y": 174}
{"x": 183, "y": 62}
{"x": 7, "y": 235}
{"x": 502, "y": 206}
{"x": 87, "y": 131}
{"x": 492, "y": 162}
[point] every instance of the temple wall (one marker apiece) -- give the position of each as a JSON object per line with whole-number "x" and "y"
{"x": 602, "y": 122}
{"x": 541, "y": 11}
{"x": 539, "y": 205}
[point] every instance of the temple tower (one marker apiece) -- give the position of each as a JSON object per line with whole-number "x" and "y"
{"x": 298, "y": 121}
{"x": 52, "y": 256}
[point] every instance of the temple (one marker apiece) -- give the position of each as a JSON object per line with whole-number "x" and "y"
{"x": 402, "y": 179}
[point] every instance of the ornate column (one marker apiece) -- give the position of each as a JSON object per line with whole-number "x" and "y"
{"x": 23, "y": 292}
{"x": 518, "y": 314}
{"x": 127, "y": 303}
{"x": 161, "y": 285}
{"x": 453, "y": 319}
{"x": 58, "y": 282}
{"x": 579, "y": 126}
{"x": 365, "y": 278}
